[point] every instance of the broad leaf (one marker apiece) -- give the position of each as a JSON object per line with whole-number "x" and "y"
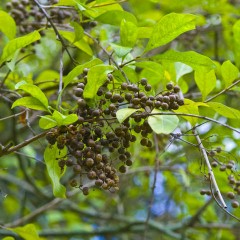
{"x": 123, "y": 114}
{"x": 34, "y": 91}
{"x": 144, "y": 32}
{"x": 8, "y": 25}
{"x": 206, "y": 82}
{"x": 224, "y": 110}
{"x": 169, "y": 27}
{"x": 162, "y": 123}
{"x": 27, "y": 232}
{"x": 181, "y": 70}
{"x": 29, "y": 102}
{"x": 51, "y": 154}
{"x": 64, "y": 120}
{"x": 47, "y": 122}
{"x": 120, "y": 51}
{"x": 115, "y": 17}
{"x": 192, "y": 59}
{"x": 229, "y": 72}
{"x": 18, "y": 43}
{"x": 128, "y": 33}
{"x": 96, "y": 77}
{"x": 8, "y": 238}
{"x": 190, "y": 107}
{"x": 79, "y": 70}
{"x": 236, "y": 42}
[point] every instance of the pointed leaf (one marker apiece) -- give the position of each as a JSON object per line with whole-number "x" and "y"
{"x": 224, "y": 110}
{"x": 8, "y": 25}
{"x": 79, "y": 70}
{"x": 162, "y": 123}
{"x": 229, "y": 72}
{"x": 206, "y": 82}
{"x": 192, "y": 59}
{"x": 51, "y": 154}
{"x": 27, "y": 232}
{"x": 47, "y": 122}
{"x": 128, "y": 33}
{"x": 120, "y": 50}
{"x": 29, "y": 102}
{"x": 34, "y": 91}
{"x": 181, "y": 70}
{"x": 96, "y": 77}
{"x": 124, "y": 113}
{"x": 169, "y": 27}
{"x": 18, "y": 43}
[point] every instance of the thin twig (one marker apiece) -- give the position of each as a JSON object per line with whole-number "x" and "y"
{"x": 210, "y": 171}
{"x": 13, "y": 116}
{"x": 55, "y": 29}
{"x": 60, "y": 80}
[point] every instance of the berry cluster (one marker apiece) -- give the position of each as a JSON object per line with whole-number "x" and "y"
{"x": 97, "y": 142}
{"x": 29, "y": 18}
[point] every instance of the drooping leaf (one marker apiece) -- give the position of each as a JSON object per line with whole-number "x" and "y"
{"x": 47, "y": 122}
{"x": 64, "y": 120}
{"x": 195, "y": 60}
{"x": 29, "y": 102}
{"x": 229, "y": 72}
{"x": 224, "y": 110}
{"x": 96, "y": 77}
{"x": 181, "y": 70}
{"x": 124, "y": 113}
{"x": 8, "y": 25}
{"x": 190, "y": 107}
{"x": 120, "y": 50}
{"x": 81, "y": 43}
{"x": 162, "y": 123}
{"x": 51, "y": 154}
{"x": 78, "y": 31}
{"x": 168, "y": 28}
{"x": 27, "y": 232}
{"x": 79, "y": 69}
{"x": 18, "y": 43}
{"x": 206, "y": 82}
{"x": 115, "y": 17}
{"x": 34, "y": 91}
{"x": 128, "y": 33}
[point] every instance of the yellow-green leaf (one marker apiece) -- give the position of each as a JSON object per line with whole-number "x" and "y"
{"x": 27, "y": 232}
{"x": 29, "y": 102}
{"x": 124, "y": 113}
{"x": 229, "y": 72}
{"x": 8, "y": 25}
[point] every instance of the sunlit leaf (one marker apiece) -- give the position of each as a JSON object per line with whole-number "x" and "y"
{"x": 124, "y": 113}
{"x": 206, "y": 82}
{"x": 229, "y": 72}
{"x": 169, "y": 27}
{"x": 181, "y": 70}
{"x": 27, "y": 232}
{"x": 47, "y": 122}
{"x": 128, "y": 33}
{"x": 193, "y": 59}
{"x": 96, "y": 77}
{"x": 120, "y": 50}
{"x": 18, "y": 43}
{"x": 51, "y": 156}
{"x": 224, "y": 110}
{"x": 29, "y": 102}
{"x": 162, "y": 123}
{"x": 8, "y": 25}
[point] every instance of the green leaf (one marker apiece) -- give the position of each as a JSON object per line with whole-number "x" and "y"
{"x": 79, "y": 69}
{"x": 124, "y": 113}
{"x": 78, "y": 31}
{"x": 115, "y": 17}
{"x": 181, "y": 70}
{"x": 51, "y": 154}
{"x": 27, "y": 232}
{"x": 224, "y": 110}
{"x": 29, "y": 102}
{"x": 192, "y": 59}
{"x": 144, "y": 32}
{"x": 236, "y": 42}
{"x": 206, "y": 82}
{"x": 47, "y": 122}
{"x": 64, "y": 120}
{"x": 162, "y": 123}
{"x": 190, "y": 107}
{"x": 120, "y": 50}
{"x": 96, "y": 77}
{"x": 8, "y": 25}
{"x": 8, "y": 238}
{"x": 169, "y": 27}
{"x": 34, "y": 91}
{"x": 128, "y": 33}
{"x": 229, "y": 72}
{"x": 18, "y": 43}
{"x": 81, "y": 43}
